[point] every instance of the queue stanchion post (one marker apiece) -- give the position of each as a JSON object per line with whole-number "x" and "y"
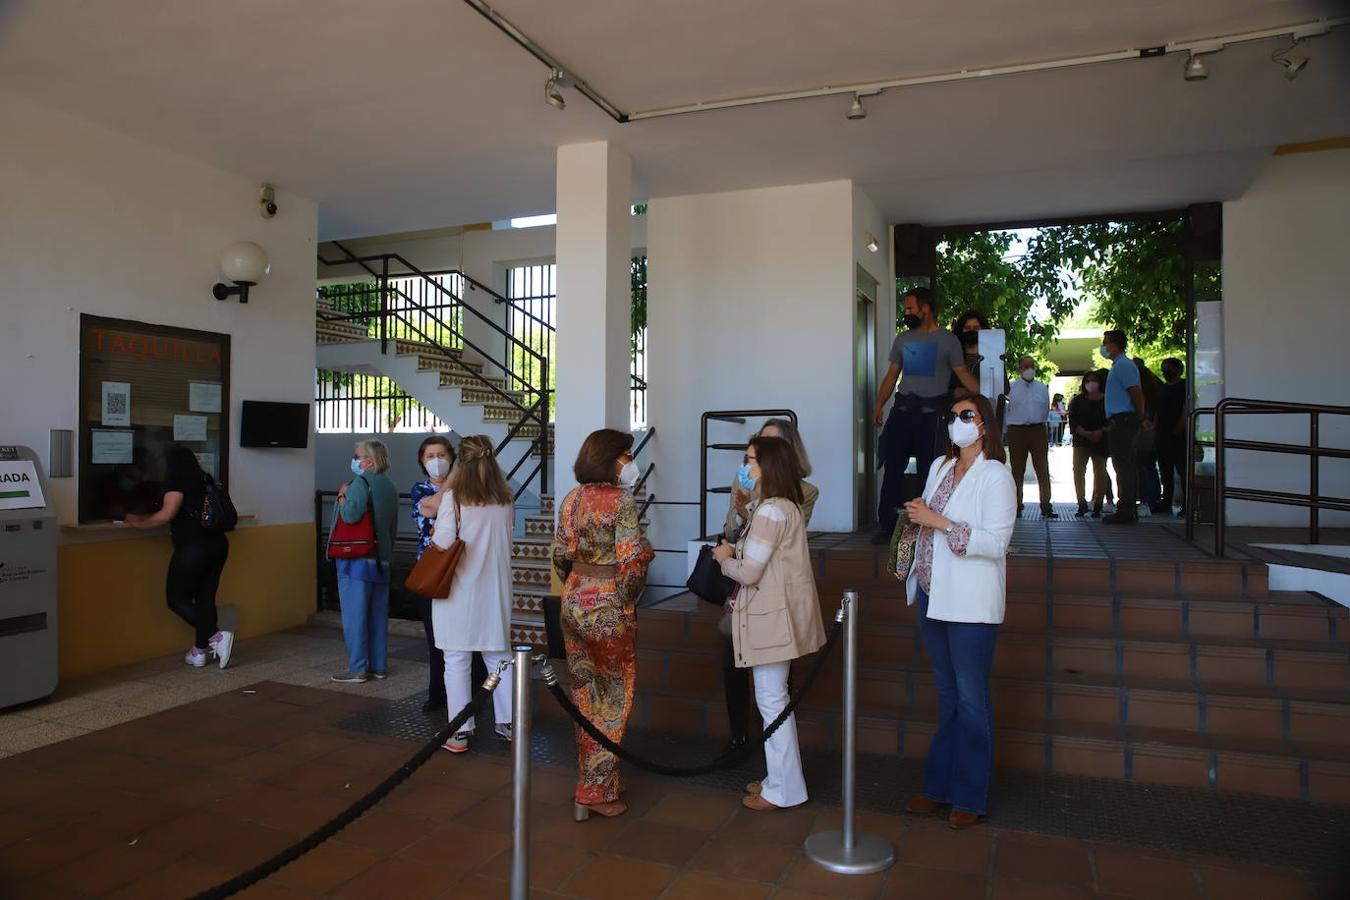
{"x": 845, "y": 850}
{"x": 520, "y": 758}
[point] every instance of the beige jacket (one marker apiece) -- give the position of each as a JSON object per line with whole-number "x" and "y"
{"x": 732, "y": 527}
{"x": 776, "y": 615}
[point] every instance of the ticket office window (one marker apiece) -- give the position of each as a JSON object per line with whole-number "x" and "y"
{"x": 144, "y": 388}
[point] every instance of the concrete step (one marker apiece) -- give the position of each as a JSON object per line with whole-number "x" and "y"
{"x": 1186, "y": 579}
{"x": 1229, "y": 761}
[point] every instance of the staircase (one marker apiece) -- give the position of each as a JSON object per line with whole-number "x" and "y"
{"x": 1183, "y": 673}
{"x": 472, "y": 395}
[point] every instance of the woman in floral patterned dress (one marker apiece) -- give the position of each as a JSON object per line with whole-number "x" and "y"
{"x": 602, "y": 554}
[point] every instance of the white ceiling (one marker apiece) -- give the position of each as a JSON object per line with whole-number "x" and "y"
{"x": 411, "y": 114}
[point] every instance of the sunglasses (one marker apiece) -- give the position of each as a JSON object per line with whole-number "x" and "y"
{"x": 965, "y": 415}
{"x": 748, "y": 459}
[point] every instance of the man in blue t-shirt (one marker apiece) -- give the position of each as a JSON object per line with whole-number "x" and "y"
{"x": 923, "y": 360}
{"x": 1125, "y": 415}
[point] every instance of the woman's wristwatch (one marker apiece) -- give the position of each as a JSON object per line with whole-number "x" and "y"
{"x": 950, "y": 526}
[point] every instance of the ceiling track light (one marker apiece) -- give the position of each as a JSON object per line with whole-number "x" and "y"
{"x": 552, "y": 89}
{"x": 1194, "y": 69}
{"x": 856, "y": 110}
{"x": 1292, "y": 65}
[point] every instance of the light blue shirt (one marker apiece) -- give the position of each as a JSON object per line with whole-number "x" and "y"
{"x": 1123, "y": 376}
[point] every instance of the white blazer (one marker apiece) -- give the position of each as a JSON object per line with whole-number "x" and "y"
{"x": 973, "y": 587}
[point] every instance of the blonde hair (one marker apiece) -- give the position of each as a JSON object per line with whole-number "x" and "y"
{"x": 789, "y": 433}
{"x": 377, "y": 451}
{"x": 477, "y": 480}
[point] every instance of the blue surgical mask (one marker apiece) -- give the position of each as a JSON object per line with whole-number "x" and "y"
{"x": 356, "y": 467}
{"x": 1104, "y": 352}
{"x": 744, "y": 479}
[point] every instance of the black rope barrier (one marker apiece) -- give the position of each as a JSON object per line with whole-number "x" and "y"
{"x": 357, "y": 809}
{"x": 723, "y": 760}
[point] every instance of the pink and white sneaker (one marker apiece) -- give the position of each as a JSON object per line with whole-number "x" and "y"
{"x": 221, "y": 646}
{"x": 195, "y": 658}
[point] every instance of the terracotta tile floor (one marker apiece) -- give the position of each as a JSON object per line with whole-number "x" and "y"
{"x": 174, "y": 800}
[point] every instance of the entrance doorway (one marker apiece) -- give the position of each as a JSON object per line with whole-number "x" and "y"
{"x": 864, "y": 391}
{"x": 1054, "y": 286}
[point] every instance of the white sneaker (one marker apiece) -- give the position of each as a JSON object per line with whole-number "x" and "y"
{"x": 195, "y": 658}
{"x": 222, "y": 645}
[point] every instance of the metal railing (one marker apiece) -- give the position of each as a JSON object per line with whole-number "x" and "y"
{"x": 432, "y": 316}
{"x": 357, "y": 403}
{"x": 1314, "y": 501}
{"x": 736, "y": 416}
{"x": 532, "y": 298}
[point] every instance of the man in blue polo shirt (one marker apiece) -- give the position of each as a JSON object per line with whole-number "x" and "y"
{"x": 1125, "y": 415}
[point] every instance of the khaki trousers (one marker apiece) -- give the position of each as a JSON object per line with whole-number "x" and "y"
{"x": 1035, "y": 441}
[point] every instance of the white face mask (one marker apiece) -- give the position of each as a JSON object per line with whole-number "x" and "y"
{"x": 437, "y": 467}
{"x": 963, "y": 434}
{"x": 1028, "y": 375}
{"x": 629, "y": 475}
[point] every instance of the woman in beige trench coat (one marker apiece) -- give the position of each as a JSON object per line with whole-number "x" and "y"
{"x": 775, "y": 611}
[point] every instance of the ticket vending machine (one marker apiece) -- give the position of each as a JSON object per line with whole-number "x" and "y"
{"x": 28, "y": 663}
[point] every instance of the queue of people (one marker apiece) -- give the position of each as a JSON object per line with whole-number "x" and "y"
{"x": 949, "y": 531}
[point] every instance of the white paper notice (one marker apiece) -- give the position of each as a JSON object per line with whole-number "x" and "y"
{"x": 110, "y": 448}
{"x": 19, "y": 486}
{"x": 189, "y": 428}
{"x": 116, "y": 403}
{"x": 204, "y": 396}
{"x": 208, "y": 463}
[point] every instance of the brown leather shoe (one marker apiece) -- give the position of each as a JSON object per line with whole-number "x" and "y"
{"x": 757, "y": 803}
{"x": 920, "y": 805}
{"x": 960, "y": 821}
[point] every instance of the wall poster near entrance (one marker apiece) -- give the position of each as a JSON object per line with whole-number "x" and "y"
{"x": 156, "y": 385}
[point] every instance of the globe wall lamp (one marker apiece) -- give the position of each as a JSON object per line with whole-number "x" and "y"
{"x": 245, "y": 264}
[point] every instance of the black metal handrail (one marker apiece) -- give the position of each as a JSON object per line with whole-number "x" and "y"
{"x": 538, "y": 410}
{"x": 735, "y": 416}
{"x": 1313, "y": 500}
{"x": 385, "y": 258}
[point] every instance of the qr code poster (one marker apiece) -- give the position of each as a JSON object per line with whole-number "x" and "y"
{"x": 116, "y": 403}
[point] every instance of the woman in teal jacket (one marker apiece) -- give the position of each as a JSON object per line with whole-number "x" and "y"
{"x": 363, "y": 584}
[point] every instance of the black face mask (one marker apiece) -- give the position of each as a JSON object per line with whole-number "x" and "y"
{"x": 912, "y": 321}
{"x": 969, "y": 338}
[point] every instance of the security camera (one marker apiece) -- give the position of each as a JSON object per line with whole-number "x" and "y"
{"x": 267, "y": 201}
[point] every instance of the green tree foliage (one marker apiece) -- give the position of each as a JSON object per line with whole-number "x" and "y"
{"x": 638, "y": 284}
{"x": 1131, "y": 275}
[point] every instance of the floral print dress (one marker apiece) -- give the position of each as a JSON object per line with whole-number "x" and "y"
{"x": 598, "y": 524}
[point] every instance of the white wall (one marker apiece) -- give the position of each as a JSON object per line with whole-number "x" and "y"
{"x": 92, "y": 221}
{"x": 749, "y": 306}
{"x": 1286, "y": 319}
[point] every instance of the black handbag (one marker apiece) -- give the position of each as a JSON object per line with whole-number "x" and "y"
{"x": 707, "y": 581}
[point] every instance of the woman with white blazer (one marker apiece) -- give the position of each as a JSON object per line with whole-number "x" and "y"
{"x": 961, "y": 527}
{"x": 475, "y": 507}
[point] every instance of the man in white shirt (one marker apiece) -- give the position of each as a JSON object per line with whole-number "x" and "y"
{"x": 1028, "y": 411}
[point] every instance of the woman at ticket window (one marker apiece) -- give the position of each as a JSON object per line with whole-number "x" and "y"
{"x": 199, "y": 556}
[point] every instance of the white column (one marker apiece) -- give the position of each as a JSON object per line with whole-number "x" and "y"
{"x": 594, "y": 195}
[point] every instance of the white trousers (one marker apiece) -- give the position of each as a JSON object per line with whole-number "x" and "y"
{"x": 458, "y": 690}
{"x": 784, "y": 784}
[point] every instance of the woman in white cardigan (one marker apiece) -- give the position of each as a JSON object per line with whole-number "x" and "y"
{"x": 962, "y": 526}
{"x": 476, "y": 507}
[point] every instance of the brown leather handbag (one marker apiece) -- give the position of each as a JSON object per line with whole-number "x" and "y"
{"x": 434, "y": 572}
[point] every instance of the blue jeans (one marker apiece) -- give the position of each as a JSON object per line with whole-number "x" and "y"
{"x": 961, "y": 757}
{"x": 365, "y": 623}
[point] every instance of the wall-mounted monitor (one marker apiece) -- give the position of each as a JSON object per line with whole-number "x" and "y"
{"x": 266, "y": 424}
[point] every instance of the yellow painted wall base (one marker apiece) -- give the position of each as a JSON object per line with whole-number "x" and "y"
{"x": 111, "y": 597}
